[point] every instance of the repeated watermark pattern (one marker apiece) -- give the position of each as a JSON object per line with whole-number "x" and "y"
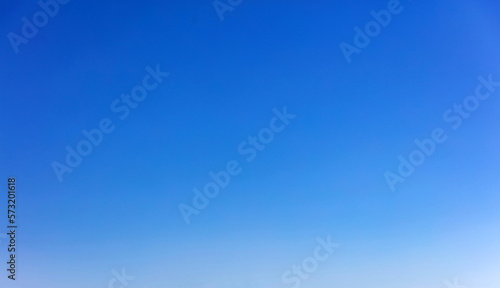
{"x": 454, "y": 117}
{"x": 121, "y": 106}
{"x": 221, "y": 179}
{"x": 249, "y": 149}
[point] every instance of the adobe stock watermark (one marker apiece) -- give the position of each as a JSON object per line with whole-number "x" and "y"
{"x": 221, "y": 179}
{"x": 40, "y": 19}
{"x": 223, "y": 6}
{"x": 121, "y": 107}
{"x": 122, "y": 278}
{"x": 310, "y": 264}
{"x": 453, "y": 284}
{"x": 454, "y": 117}
{"x": 372, "y": 29}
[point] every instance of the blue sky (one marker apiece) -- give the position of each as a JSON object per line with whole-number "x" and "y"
{"x": 323, "y": 175}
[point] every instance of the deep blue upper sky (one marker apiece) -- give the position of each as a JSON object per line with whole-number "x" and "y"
{"x": 322, "y": 175}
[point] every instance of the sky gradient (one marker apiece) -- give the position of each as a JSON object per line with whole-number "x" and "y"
{"x": 321, "y": 176}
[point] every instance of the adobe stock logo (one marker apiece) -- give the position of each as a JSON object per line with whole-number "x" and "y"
{"x": 221, "y": 179}
{"x": 121, "y": 106}
{"x": 454, "y": 284}
{"x": 221, "y": 7}
{"x": 372, "y": 29}
{"x": 123, "y": 278}
{"x": 454, "y": 117}
{"x": 39, "y": 20}
{"x": 310, "y": 264}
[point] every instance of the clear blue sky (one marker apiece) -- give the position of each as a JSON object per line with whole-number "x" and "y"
{"x": 322, "y": 175}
